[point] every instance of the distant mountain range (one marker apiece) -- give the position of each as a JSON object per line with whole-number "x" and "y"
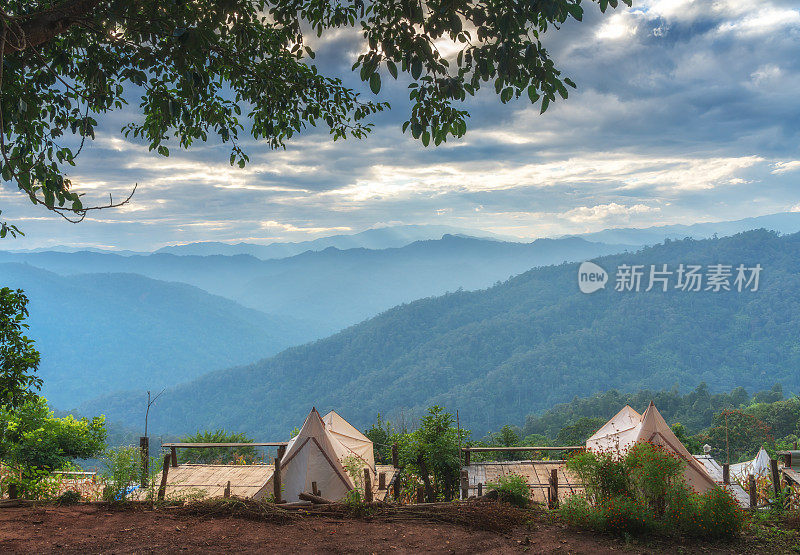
{"x": 100, "y": 333}
{"x": 783, "y": 222}
{"x": 332, "y": 289}
{"x": 517, "y": 348}
{"x": 377, "y": 238}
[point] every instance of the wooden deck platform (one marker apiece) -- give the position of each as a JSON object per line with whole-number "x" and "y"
{"x": 209, "y": 480}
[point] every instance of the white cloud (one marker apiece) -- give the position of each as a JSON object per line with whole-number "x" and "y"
{"x": 785, "y": 167}
{"x": 605, "y": 211}
{"x": 618, "y": 26}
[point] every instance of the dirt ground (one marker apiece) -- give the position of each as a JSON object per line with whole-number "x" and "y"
{"x": 100, "y": 529}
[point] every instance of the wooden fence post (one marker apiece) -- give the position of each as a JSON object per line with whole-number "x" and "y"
{"x": 395, "y": 457}
{"x": 397, "y": 486}
{"x": 726, "y": 473}
{"x": 276, "y": 481}
{"x": 281, "y": 451}
{"x": 480, "y": 489}
{"x": 144, "y": 453}
{"x": 420, "y": 494}
{"x": 12, "y": 491}
{"x": 466, "y": 456}
{"x": 174, "y": 454}
{"x": 162, "y": 489}
{"x": 464, "y": 484}
{"x": 776, "y": 476}
{"x": 751, "y": 486}
{"x": 315, "y": 490}
{"x": 553, "y": 490}
{"x": 382, "y": 481}
{"x": 367, "y": 486}
{"x": 227, "y": 492}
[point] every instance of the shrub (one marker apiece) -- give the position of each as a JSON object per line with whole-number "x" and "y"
{"x": 654, "y": 472}
{"x": 625, "y": 514}
{"x": 218, "y": 455}
{"x": 719, "y": 516}
{"x": 69, "y": 497}
{"x": 645, "y": 490}
{"x": 577, "y": 511}
{"x": 32, "y": 483}
{"x": 123, "y": 470}
{"x": 513, "y": 489}
{"x": 681, "y": 509}
{"x": 603, "y": 475}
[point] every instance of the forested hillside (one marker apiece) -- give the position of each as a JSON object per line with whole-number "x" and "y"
{"x": 519, "y": 348}
{"x": 333, "y": 289}
{"x": 99, "y": 333}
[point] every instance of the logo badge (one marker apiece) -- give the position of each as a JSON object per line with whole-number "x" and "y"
{"x": 591, "y": 277}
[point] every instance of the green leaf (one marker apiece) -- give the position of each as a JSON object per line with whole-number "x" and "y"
{"x": 533, "y": 94}
{"x": 375, "y": 83}
{"x": 392, "y": 68}
{"x": 426, "y": 138}
{"x": 416, "y": 68}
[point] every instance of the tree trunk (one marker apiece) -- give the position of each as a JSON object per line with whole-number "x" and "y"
{"x": 426, "y": 479}
{"x": 40, "y": 27}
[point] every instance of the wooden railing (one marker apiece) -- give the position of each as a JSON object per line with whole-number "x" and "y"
{"x": 173, "y": 447}
{"x": 468, "y": 450}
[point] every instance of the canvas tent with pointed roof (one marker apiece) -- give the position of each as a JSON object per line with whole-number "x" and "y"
{"x": 313, "y": 456}
{"x": 628, "y": 427}
{"x": 759, "y": 466}
{"x": 352, "y": 443}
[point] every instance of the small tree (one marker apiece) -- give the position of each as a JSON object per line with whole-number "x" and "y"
{"x": 382, "y": 434}
{"x": 431, "y": 453}
{"x": 33, "y": 442}
{"x": 18, "y": 357}
{"x": 579, "y": 432}
{"x": 218, "y": 455}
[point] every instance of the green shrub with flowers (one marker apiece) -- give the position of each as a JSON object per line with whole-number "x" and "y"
{"x": 645, "y": 491}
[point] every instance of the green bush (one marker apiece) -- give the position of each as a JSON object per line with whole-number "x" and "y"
{"x": 602, "y": 475}
{"x": 653, "y": 472}
{"x": 719, "y": 516}
{"x": 123, "y": 470}
{"x": 218, "y": 455}
{"x": 681, "y": 509}
{"x": 625, "y": 514}
{"x": 645, "y": 490}
{"x": 512, "y": 488}
{"x": 577, "y": 511}
{"x": 33, "y": 483}
{"x": 69, "y": 497}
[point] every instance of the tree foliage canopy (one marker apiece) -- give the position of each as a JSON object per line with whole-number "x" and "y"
{"x": 18, "y": 357}
{"x": 218, "y": 455}
{"x": 32, "y": 437}
{"x": 214, "y": 67}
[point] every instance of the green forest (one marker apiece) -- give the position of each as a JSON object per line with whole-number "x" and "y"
{"x": 768, "y": 419}
{"x": 518, "y": 348}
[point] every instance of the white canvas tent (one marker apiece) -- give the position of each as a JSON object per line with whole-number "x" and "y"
{"x": 628, "y": 427}
{"x": 313, "y": 456}
{"x": 759, "y": 466}
{"x": 351, "y": 442}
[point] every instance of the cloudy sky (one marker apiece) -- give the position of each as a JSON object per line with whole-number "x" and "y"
{"x": 686, "y": 111}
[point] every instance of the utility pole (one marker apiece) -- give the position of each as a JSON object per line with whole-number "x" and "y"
{"x": 144, "y": 441}
{"x": 727, "y": 443}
